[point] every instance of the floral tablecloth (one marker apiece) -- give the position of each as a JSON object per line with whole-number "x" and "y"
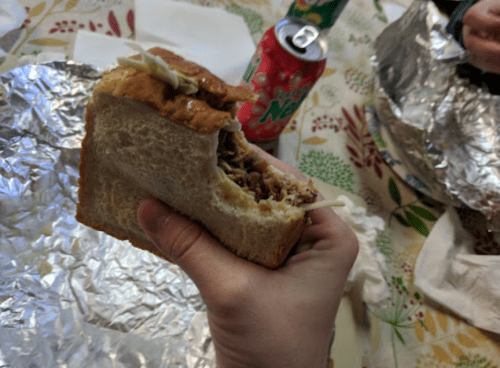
{"x": 328, "y": 138}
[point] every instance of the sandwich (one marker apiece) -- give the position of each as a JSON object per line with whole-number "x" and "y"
{"x": 161, "y": 126}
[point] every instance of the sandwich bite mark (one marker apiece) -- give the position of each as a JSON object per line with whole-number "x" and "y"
{"x": 256, "y": 176}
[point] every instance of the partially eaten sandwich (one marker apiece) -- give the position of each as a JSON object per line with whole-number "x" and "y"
{"x": 161, "y": 126}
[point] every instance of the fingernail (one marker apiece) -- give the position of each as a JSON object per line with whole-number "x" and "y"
{"x": 152, "y": 215}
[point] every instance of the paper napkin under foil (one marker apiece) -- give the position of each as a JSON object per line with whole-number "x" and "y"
{"x": 12, "y": 16}
{"x": 448, "y": 272}
{"x": 212, "y": 37}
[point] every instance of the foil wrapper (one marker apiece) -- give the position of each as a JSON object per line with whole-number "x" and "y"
{"x": 71, "y": 296}
{"x": 441, "y": 133}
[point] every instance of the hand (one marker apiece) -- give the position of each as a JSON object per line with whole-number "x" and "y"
{"x": 481, "y": 34}
{"x": 260, "y": 317}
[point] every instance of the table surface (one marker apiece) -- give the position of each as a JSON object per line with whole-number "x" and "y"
{"x": 328, "y": 138}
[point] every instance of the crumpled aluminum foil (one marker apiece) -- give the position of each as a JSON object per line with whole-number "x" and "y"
{"x": 71, "y": 296}
{"x": 444, "y": 130}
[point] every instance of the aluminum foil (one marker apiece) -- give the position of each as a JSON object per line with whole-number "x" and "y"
{"x": 443, "y": 130}
{"x": 71, "y": 296}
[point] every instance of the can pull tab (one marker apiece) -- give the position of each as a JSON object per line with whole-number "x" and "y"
{"x": 305, "y": 36}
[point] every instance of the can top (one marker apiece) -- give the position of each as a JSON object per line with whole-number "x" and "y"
{"x": 302, "y": 39}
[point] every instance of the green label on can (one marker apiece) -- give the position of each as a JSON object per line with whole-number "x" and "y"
{"x": 323, "y": 13}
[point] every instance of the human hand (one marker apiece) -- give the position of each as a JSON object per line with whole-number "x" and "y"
{"x": 481, "y": 35}
{"x": 260, "y": 317}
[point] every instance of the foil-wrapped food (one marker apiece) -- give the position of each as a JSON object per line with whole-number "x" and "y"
{"x": 71, "y": 296}
{"x": 441, "y": 132}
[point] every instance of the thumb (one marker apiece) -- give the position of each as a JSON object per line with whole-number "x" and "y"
{"x": 187, "y": 244}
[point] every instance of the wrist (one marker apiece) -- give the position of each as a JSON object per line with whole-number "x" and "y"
{"x": 307, "y": 355}
{"x": 320, "y": 362}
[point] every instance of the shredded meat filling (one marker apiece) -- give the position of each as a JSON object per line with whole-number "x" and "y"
{"x": 252, "y": 173}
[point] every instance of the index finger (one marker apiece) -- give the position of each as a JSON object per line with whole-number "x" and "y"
{"x": 325, "y": 223}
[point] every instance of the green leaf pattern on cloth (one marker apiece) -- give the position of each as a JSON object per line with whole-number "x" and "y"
{"x": 328, "y": 168}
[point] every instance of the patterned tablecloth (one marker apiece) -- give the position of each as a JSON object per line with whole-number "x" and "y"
{"x": 328, "y": 138}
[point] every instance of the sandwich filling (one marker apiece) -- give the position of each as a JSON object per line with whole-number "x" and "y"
{"x": 254, "y": 175}
{"x": 194, "y": 97}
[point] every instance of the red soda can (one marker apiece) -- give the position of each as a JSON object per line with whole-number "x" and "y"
{"x": 288, "y": 61}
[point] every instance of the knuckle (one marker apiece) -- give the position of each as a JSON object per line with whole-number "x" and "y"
{"x": 180, "y": 236}
{"x": 232, "y": 296}
{"x": 351, "y": 242}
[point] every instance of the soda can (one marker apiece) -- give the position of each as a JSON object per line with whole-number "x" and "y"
{"x": 322, "y": 13}
{"x": 288, "y": 61}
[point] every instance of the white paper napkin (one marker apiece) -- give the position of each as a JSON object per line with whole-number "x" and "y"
{"x": 12, "y": 16}
{"x": 101, "y": 50}
{"x": 448, "y": 271}
{"x": 393, "y": 11}
{"x": 368, "y": 270}
{"x": 212, "y": 37}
